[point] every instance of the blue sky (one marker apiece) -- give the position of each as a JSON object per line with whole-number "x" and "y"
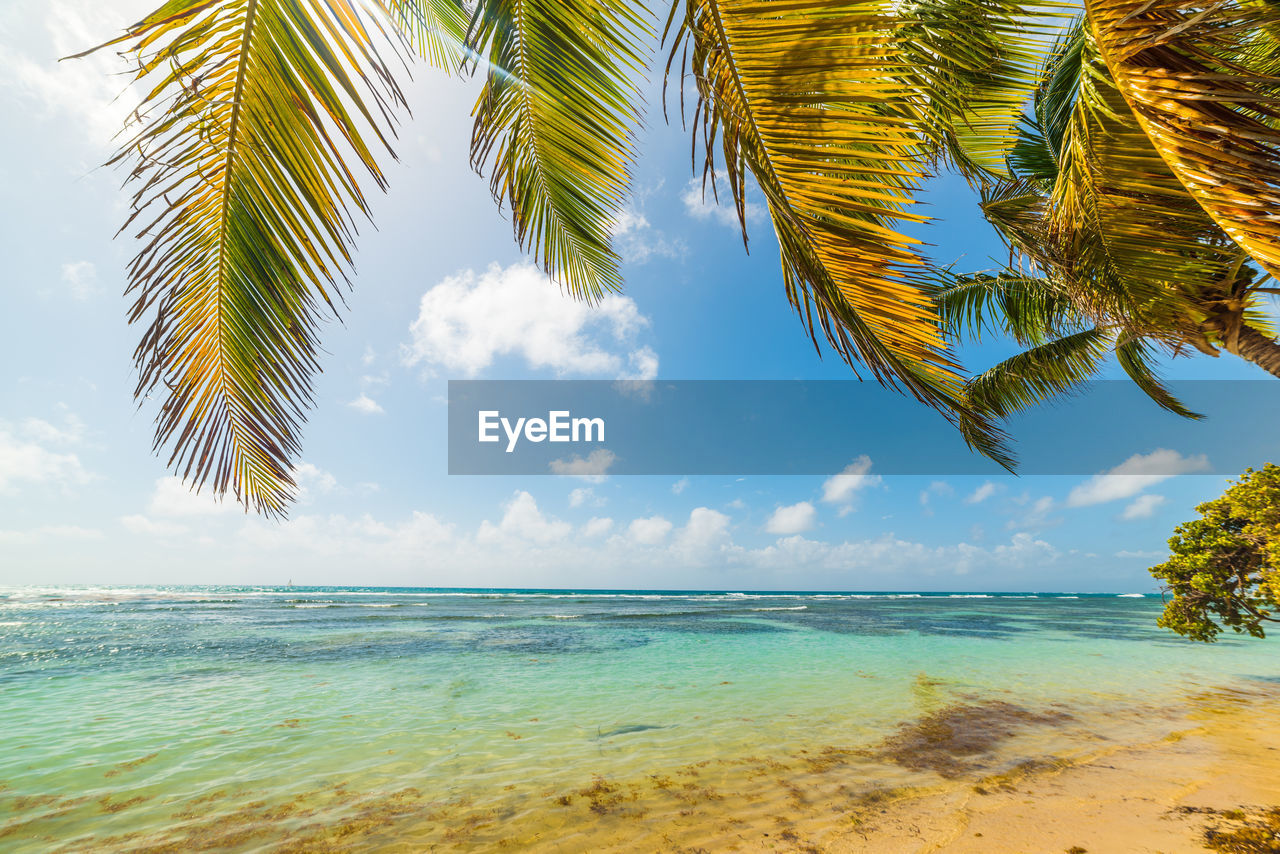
{"x": 442, "y": 292}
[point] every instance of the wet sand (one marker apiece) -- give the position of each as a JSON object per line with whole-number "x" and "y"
{"x": 970, "y": 775}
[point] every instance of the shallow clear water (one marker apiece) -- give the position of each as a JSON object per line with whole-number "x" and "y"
{"x": 134, "y": 716}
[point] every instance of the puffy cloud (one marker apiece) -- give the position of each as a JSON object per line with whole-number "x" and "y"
{"x": 1140, "y": 555}
{"x": 597, "y": 527}
{"x": 793, "y": 519}
{"x": 844, "y": 487}
{"x": 366, "y": 405}
{"x": 585, "y": 495}
{"x": 680, "y": 486}
{"x": 172, "y": 498}
{"x": 592, "y": 468}
{"x": 650, "y": 531}
{"x": 24, "y": 461}
{"x": 716, "y": 203}
{"x": 706, "y": 530}
{"x": 523, "y": 520}
{"x": 1134, "y": 475}
{"x": 637, "y": 242}
{"x": 342, "y": 539}
{"x": 87, "y": 91}
{"x": 1143, "y": 507}
{"x": 469, "y": 320}
{"x": 982, "y": 493}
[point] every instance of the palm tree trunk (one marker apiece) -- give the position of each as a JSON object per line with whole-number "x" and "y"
{"x": 1251, "y": 345}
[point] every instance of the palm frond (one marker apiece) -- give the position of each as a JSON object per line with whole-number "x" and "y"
{"x": 243, "y": 194}
{"x": 1040, "y": 373}
{"x": 1211, "y": 109}
{"x": 1030, "y": 309}
{"x": 1035, "y": 154}
{"x": 554, "y": 126}
{"x": 1136, "y": 356}
{"x": 975, "y": 63}
{"x": 1120, "y": 219}
{"x": 435, "y": 29}
{"x": 803, "y": 96}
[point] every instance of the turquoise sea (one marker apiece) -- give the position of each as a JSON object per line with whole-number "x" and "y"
{"x": 262, "y": 718}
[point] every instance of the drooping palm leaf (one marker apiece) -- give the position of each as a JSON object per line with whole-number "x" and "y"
{"x": 1120, "y": 220}
{"x": 973, "y": 61}
{"x": 242, "y": 200}
{"x": 1136, "y": 357}
{"x": 554, "y": 126}
{"x": 1040, "y": 373}
{"x": 1211, "y": 108}
{"x": 814, "y": 101}
{"x": 435, "y": 29}
{"x": 1029, "y": 309}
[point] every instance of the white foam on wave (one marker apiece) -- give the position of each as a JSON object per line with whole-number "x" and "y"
{"x": 784, "y": 608}
{"x": 1131, "y": 596}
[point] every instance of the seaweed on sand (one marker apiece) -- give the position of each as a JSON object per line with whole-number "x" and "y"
{"x": 1245, "y": 831}
{"x": 954, "y": 739}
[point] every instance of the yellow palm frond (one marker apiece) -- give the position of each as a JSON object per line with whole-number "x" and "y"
{"x": 826, "y": 105}
{"x": 243, "y": 193}
{"x": 435, "y": 29}
{"x": 555, "y": 123}
{"x": 1209, "y": 101}
{"x": 1119, "y": 218}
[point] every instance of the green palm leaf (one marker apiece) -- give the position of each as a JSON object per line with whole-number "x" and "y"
{"x": 435, "y": 29}
{"x": 815, "y": 101}
{"x": 554, "y": 126}
{"x": 1039, "y": 373}
{"x": 1209, "y": 99}
{"x": 243, "y": 192}
{"x": 1136, "y": 357}
{"x": 1029, "y": 309}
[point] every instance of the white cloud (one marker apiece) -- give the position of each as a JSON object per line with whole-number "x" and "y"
{"x": 313, "y": 480}
{"x": 1126, "y": 553}
{"x": 1134, "y": 475}
{"x": 982, "y": 493}
{"x": 39, "y": 430}
{"x": 650, "y": 531}
{"x": 940, "y": 489}
{"x": 585, "y": 495}
{"x": 716, "y": 203}
{"x": 844, "y": 487}
{"x": 793, "y": 519}
{"x": 1143, "y": 507}
{"x": 342, "y": 539}
{"x": 174, "y": 499}
{"x": 523, "y": 520}
{"x": 644, "y": 365}
{"x": 706, "y": 530}
{"x": 46, "y": 533}
{"x": 680, "y": 486}
{"x": 139, "y": 524}
{"x": 81, "y": 278}
{"x": 597, "y": 527}
{"x": 89, "y": 91}
{"x": 366, "y": 405}
{"x": 637, "y": 242}
{"x": 591, "y": 469}
{"x": 29, "y": 462}
{"x": 469, "y": 320}
{"x": 1034, "y": 514}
